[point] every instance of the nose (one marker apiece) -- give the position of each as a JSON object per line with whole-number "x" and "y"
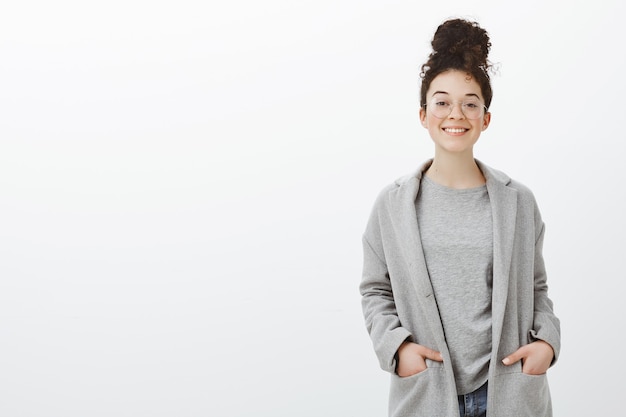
{"x": 456, "y": 111}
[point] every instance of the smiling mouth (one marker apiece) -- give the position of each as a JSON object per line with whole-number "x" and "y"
{"x": 455, "y": 130}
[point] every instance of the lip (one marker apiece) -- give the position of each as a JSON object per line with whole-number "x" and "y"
{"x": 455, "y": 130}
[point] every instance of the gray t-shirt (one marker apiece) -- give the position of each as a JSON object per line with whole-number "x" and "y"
{"x": 457, "y": 238}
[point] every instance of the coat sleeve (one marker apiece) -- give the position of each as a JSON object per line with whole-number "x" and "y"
{"x": 546, "y": 325}
{"x": 379, "y": 308}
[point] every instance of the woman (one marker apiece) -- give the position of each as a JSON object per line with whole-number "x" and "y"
{"x": 454, "y": 288}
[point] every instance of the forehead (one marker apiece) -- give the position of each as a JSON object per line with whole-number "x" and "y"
{"x": 457, "y": 84}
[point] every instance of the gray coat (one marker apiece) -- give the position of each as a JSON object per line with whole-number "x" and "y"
{"x": 399, "y": 304}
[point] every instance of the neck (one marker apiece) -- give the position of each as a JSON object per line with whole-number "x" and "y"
{"x": 455, "y": 171}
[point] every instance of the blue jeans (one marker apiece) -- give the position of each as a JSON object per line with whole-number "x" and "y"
{"x": 474, "y": 404}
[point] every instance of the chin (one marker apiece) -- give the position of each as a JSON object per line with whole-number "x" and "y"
{"x": 456, "y": 147}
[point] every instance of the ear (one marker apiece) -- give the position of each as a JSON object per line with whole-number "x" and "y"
{"x": 486, "y": 120}
{"x": 423, "y": 117}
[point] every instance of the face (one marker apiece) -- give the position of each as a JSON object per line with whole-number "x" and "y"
{"x": 454, "y": 133}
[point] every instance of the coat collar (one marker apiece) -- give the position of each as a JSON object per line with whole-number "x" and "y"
{"x": 503, "y": 199}
{"x": 491, "y": 175}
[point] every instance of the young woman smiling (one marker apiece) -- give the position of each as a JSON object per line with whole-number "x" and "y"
{"x": 454, "y": 289}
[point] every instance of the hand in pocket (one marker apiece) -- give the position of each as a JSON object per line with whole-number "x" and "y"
{"x": 412, "y": 358}
{"x": 536, "y": 357}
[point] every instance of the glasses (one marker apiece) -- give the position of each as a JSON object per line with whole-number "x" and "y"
{"x": 441, "y": 107}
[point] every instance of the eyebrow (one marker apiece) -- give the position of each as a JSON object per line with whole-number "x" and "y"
{"x": 466, "y": 95}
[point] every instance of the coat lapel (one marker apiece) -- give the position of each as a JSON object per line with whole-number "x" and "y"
{"x": 407, "y": 230}
{"x": 504, "y": 213}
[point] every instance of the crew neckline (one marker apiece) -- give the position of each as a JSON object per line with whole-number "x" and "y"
{"x": 451, "y": 190}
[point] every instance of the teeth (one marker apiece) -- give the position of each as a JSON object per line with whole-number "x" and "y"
{"x": 454, "y": 130}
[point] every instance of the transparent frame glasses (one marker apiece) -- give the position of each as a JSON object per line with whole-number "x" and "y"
{"x": 442, "y": 107}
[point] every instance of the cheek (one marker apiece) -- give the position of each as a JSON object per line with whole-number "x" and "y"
{"x": 429, "y": 122}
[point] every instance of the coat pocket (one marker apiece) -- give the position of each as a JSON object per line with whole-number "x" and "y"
{"x": 426, "y": 393}
{"x": 520, "y": 395}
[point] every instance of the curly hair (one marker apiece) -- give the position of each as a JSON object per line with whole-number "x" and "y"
{"x": 459, "y": 45}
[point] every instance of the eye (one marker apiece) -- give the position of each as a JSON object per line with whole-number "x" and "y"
{"x": 440, "y": 103}
{"x": 471, "y": 105}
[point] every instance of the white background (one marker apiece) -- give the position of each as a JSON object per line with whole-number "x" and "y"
{"x": 183, "y": 188}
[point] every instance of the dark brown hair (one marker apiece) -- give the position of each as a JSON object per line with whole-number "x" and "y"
{"x": 459, "y": 45}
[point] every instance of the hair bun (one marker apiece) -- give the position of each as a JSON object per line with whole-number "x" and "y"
{"x": 462, "y": 41}
{"x": 459, "y": 45}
